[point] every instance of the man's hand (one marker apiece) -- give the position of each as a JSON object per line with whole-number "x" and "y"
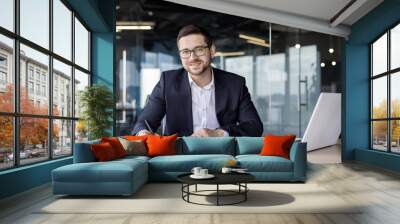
{"x": 144, "y": 132}
{"x": 205, "y": 132}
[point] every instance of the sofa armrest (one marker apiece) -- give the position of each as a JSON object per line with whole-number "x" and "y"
{"x": 298, "y": 155}
{"x": 83, "y": 152}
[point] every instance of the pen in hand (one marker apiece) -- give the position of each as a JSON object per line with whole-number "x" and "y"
{"x": 148, "y": 127}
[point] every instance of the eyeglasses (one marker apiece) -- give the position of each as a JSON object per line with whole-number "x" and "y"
{"x": 197, "y": 51}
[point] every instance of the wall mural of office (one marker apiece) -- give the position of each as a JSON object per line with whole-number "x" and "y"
{"x": 285, "y": 68}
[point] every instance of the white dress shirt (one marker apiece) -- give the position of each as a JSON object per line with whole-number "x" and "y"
{"x": 203, "y": 105}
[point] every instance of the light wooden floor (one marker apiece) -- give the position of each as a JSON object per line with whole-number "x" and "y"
{"x": 379, "y": 189}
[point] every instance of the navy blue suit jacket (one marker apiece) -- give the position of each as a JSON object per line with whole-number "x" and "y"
{"x": 171, "y": 96}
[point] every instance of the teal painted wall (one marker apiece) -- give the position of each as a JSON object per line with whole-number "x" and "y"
{"x": 24, "y": 178}
{"x": 356, "y": 83}
{"x": 379, "y": 159}
{"x": 103, "y": 63}
{"x": 99, "y": 16}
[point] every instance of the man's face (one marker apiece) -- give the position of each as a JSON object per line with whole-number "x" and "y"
{"x": 195, "y": 64}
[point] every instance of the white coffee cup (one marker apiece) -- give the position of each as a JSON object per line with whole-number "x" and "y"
{"x": 196, "y": 170}
{"x": 226, "y": 170}
{"x": 203, "y": 172}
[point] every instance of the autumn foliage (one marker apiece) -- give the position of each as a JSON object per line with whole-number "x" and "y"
{"x": 33, "y": 130}
{"x": 380, "y": 127}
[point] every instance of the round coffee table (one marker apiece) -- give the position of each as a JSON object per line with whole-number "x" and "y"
{"x": 238, "y": 179}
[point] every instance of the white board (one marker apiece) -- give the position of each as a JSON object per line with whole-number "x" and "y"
{"x": 324, "y": 126}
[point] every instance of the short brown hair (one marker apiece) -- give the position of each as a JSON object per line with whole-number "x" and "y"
{"x": 192, "y": 29}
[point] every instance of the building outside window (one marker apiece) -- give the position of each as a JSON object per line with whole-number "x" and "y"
{"x": 3, "y": 72}
{"x": 30, "y": 72}
{"x": 34, "y": 72}
{"x": 43, "y": 90}
{"x": 38, "y": 89}
{"x": 30, "y": 87}
{"x": 3, "y": 61}
{"x": 3, "y": 78}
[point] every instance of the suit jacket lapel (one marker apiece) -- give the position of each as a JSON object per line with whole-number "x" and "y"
{"x": 185, "y": 97}
{"x": 221, "y": 95}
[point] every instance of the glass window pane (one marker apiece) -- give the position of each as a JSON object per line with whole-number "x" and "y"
{"x": 379, "y": 98}
{"x": 34, "y": 72}
{"x": 81, "y": 131}
{"x": 35, "y": 21}
{"x": 379, "y": 55}
{"x": 395, "y": 136}
{"x": 62, "y": 89}
{"x": 7, "y": 14}
{"x": 62, "y": 138}
{"x": 395, "y": 47}
{"x": 81, "y": 45}
{"x": 81, "y": 81}
{"x": 6, "y": 74}
{"x": 33, "y": 139}
{"x": 379, "y": 135}
{"x": 6, "y": 142}
{"x": 62, "y": 29}
{"x": 395, "y": 95}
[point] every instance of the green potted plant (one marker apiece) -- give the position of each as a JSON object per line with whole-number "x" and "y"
{"x": 96, "y": 103}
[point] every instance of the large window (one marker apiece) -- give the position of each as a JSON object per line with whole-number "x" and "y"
{"x": 40, "y": 80}
{"x": 385, "y": 92}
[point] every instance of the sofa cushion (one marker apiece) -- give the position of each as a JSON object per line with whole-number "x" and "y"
{"x": 134, "y": 137}
{"x": 257, "y": 163}
{"x": 111, "y": 171}
{"x": 161, "y": 145}
{"x": 249, "y": 145}
{"x": 206, "y": 145}
{"x": 103, "y": 152}
{"x": 277, "y": 145}
{"x": 116, "y": 145}
{"x": 83, "y": 152}
{"x": 130, "y": 158}
{"x": 135, "y": 147}
{"x": 185, "y": 163}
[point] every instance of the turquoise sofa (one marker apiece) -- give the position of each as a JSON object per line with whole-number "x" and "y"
{"x": 125, "y": 176}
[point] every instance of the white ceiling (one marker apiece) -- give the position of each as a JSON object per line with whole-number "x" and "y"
{"x": 314, "y": 15}
{"x": 319, "y": 9}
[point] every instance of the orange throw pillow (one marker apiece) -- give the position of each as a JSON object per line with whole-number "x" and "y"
{"x": 277, "y": 145}
{"x": 161, "y": 145}
{"x": 116, "y": 145}
{"x": 135, "y": 138}
{"x": 103, "y": 151}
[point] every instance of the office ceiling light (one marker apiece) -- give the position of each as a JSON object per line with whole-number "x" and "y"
{"x": 333, "y": 63}
{"x": 255, "y": 39}
{"x": 322, "y": 64}
{"x": 228, "y": 54}
{"x": 257, "y": 43}
{"x": 331, "y": 50}
{"x": 134, "y": 25}
{"x": 297, "y": 46}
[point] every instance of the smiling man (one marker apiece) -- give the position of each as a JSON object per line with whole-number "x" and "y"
{"x": 199, "y": 100}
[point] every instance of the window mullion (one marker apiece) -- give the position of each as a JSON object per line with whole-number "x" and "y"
{"x": 16, "y": 84}
{"x": 73, "y": 82}
{"x": 389, "y": 106}
{"x": 50, "y": 81}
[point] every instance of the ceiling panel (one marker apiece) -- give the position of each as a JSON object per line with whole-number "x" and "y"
{"x": 319, "y": 9}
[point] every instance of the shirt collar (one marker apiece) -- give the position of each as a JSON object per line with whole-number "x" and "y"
{"x": 208, "y": 86}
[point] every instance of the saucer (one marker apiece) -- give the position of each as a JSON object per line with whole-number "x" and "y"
{"x": 208, "y": 176}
